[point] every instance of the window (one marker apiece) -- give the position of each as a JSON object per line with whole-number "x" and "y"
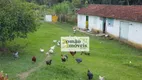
{"x": 110, "y": 22}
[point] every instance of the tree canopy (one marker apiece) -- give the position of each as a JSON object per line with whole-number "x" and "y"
{"x": 16, "y": 19}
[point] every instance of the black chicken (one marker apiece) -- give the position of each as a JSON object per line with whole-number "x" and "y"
{"x": 48, "y": 62}
{"x": 78, "y": 60}
{"x": 90, "y": 75}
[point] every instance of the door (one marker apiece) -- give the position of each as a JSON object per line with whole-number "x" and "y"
{"x": 104, "y": 25}
{"x": 124, "y": 30}
{"x": 87, "y": 17}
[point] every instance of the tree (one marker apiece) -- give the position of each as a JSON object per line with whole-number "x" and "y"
{"x": 61, "y": 9}
{"x": 16, "y": 20}
{"x": 76, "y": 3}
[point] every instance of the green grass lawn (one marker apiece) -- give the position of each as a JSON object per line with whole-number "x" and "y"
{"x": 109, "y": 58}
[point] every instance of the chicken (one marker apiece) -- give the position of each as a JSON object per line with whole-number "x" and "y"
{"x": 90, "y": 75}
{"x": 15, "y": 55}
{"x": 63, "y": 58}
{"x": 101, "y": 78}
{"x": 48, "y": 62}
{"x": 78, "y": 60}
{"x": 1, "y": 75}
{"x": 51, "y": 51}
{"x": 74, "y": 30}
{"x": 6, "y": 77}
{"x": 34, "y": 59}
{"x": 48, "y": 54}
{"x": 86, "y": 53}
{"x": 66, "y": 56}
{"x": 72, "y": 53}
{"x": 53, "y": 47}
{"x": 41, "y": 50}
{"x": 54, "y": 41}
{"x": 58, "y": 43}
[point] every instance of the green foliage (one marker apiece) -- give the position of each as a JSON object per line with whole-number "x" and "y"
{"x": 16, "y": 19}
{"x": 76, "y": 3}
{"x": 61, "y": 9}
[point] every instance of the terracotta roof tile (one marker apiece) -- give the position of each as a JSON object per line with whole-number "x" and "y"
{"x": 132, "y": 13}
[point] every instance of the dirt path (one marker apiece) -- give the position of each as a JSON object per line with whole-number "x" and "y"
{"x": 24, "y": 75}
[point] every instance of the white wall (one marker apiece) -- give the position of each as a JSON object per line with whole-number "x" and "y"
{"x": 135, "y": 32}
{"x": 48, "y": 18}
{"x": 94, "y": 22}
{"x": 81, "y": 21}
{"x": 114, "y": 29}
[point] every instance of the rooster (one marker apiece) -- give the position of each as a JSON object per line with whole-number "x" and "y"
{"x": 34, "y": 59}
{"x": 72, "y": 53}
{"x": 48, "y": 62}
{"x": 90, "y": 75}
{"x": 78, "y": 60}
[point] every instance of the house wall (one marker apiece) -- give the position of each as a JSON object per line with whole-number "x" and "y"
{"x": 95, "y": 23}
{"x": 114, "y": 28}
{"x": 135, "y": 32}
{"x": 81, "y": 21}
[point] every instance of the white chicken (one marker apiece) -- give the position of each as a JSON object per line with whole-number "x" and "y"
{"x": 41, "y": 50}
{"x": 101, "y": 78}
{"x": 53, "y": 47}
{"x": 15, "y": 55}
{"x": 48, "y": 54}
{"x": 58, "y": 43}
{"x": 54, "y": 41}
{"x": 51, "y": 51}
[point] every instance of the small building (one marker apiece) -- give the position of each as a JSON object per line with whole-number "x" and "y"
{"x": 51, "y": 18}
{"x": 121, "y": 22}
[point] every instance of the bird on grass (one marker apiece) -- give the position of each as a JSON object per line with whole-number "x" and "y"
{"x": 101, "y": 78}
{"x": 15, "y": 55}
{"x": 66, "y": 56}
{"x": 78, "y": 60}
{"x": 72, "y": 53}
{"x": 86, "y": 53}
{"x": 48, "y": 62}
{"x": 90, "y": 75}
{"x": 34, "y": 59}
{"x": 53, "y": 47}
{"x": 41, "y": 50}
{"x": 51, "y": 51}
{"x": 54, "y": 41}
{"x": 63, "y": 58}
{"x": 58, "y": 43}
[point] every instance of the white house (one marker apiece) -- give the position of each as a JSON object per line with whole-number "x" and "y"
{"x": 121, "y": 22}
